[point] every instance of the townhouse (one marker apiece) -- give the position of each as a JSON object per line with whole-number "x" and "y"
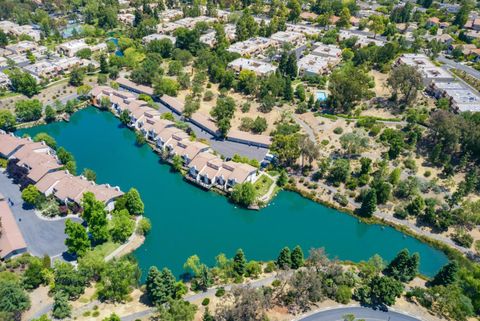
{"x": 260, "y": 68}
{"x": 429, "y": 71}
{"x": 204, "y": 168}
{"x": 48, "y": 69}
{"x": 253, "y": 46}
{"x": 461, "y": 97}
{"x": 17, "y": 30}
{"x": 71, "y": 48}
{"x": 295, "y": 39}
{"x": 34, "y": 163}
{"x": 156, "y": 36}
{"x": 12, "y": 242}
{"x": 22, "y": 47}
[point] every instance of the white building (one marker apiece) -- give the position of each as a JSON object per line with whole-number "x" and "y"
{"x": 157, "y": 36}
{"x": 429, "y": 71}
{"x": 305, "y": 29}
{"x": 258, "y": 67}
{"x": 4, "y": 80}
{"x": 327, "y": 51}
{"x": 460, "y": 96}
{"x": 313, "y": 65}
{"x": 296, "y": 39}
{"x": 23, "y": 47}
{"x": 71, "y": 48}
{"x": 126, "y": 18}
{"x": 16, "y": 30}
{"x": 253, "y": 46}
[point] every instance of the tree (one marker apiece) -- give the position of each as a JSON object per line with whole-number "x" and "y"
{"x": 340, "y": 171}
{"x": 286, "y": 148}
{"x": 354, "y": 142}
{"x": 160, "y": 285}
{"x": 407, "y": 80}
{"x": 104, "y": 67}
{"x": 165, "y": 86}
{"x": 163, "y": 46}
{"x": 77, "y": 241}
{"x": 247, "y": 82}
{"x": 117, "y": 280}
{"x": 28, "y": 110}
{"x": 122, "y": 226}
{"x": 377, "y": 25}
{"x": 68, "y": 280}
{"x": 288, "y": 65}
{"x": 308, "y": 149}
{"x": 347, "y": 86}
{"x": 112, "y": 317}
{"x": 223, "y": 113}
{"x": 50, "y": 114}
{"x": 295, "y": 10}
{"x": 3, "y": 39}
{"x": 284, "y": 260}
{"x": 300, "y": 92}
{"x": 61, "y": 307}
{"x": 297, "y": 257}
{"x": 177, "y": 310}
{"x": 13, "y": 299}
{"x": 193, "y": 265}
{"x": 47, "y": 139}
{"x": 369, "y": 203}
{"x": 403, "y": 267}
{"x": 7, "y": 120}
{"x": 89, "y": 174}
{"x": 447, "y": 274}
{"x": 31, "y": 195}
{"x": 33, "y": 277}
{"x": 244, "y": 194}
{"x": 239, "y": 263}
{"x": 96, "y": 217}
{"x": 76, "y": 77}
{"x": 134, "y": 203}
{"x": 384, "y": 290}
{"x": 23, "y": 82}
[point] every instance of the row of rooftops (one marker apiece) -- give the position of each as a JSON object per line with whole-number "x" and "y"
{"x": 168, "y": 137}
{"x": 428, "y": 69}
{"x": 11, "y": 239}
{"x": 47, "y": 173}
{"x": 15, "y": 29}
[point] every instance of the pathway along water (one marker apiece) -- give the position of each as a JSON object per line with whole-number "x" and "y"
{"x": 187, "y": 220}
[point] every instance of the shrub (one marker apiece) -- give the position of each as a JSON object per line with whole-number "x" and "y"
{"x": 427, "y": 173}
{"x": 338, "y": 130}
{"x": 344, "y": 294}
{"x": 144, "y": 226}
{"x": 205, "y": 302}
{"x": 270, "y": 267}
{"x": 276, "y": 283}
{"x": 220, "y": 292}
{"x": 462, "y": 238}
{"x": 340, "y": 199}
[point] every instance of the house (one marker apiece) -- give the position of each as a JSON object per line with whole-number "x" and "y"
{"x": 445, "y": 39}
{"x": 16, "y": 30}
{"x": 295, "y": 39}
{"x": 9, "y": 144}
{"x": 188, "y": 149}
{"x": 432, "y": 21}
{"x": 327, "y": 51}
{"x": 260, "y": 68}
{"x": 167, "y": 27}
{"x": 199, "y": 165}
{"x": 71, "y": 48}
{"x": 168, "y": 138}
{"x": 30, "y": 162}
{"x": 68, "y": 189}
{"x": 170, "y": 15}
{"x": 309, "y": 16}
{"x": 305, "y": 29}
{"x": 312, "y": 65}
{"x": 156, "y": 36}
{"x": 429, "y": 71}
{"x": 473, "y": 24}
{"x": 152, "y": 128}
{"x": 22, "y": 47}
{"x": 253, "y": 46}
{"x": 461, "y": 97}
{"x": 12, "y": 242}
{"x": 126, "y": 18}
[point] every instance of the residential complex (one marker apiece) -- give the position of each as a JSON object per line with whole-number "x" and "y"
{"x": 260, "y": 68}
{"x": 35, "y": 163}
{"x": 71, "y": 48}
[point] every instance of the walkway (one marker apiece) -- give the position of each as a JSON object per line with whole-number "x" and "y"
{"x": 42, "y": 236}
{"x": 366, "y": 314}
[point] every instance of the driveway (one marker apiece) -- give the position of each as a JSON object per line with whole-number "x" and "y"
{"x": 42, "y": 236}
{"x": 366, "y": 314}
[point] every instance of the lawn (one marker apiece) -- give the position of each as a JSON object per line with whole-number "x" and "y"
{"x": 106, "y": 248}
{"x": 262, "y": 185}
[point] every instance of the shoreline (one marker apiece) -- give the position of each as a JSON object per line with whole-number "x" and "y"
{"x": 451, "y": 252}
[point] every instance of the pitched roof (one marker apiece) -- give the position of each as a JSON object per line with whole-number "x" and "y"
{"x": 10, "y": 143}
{"x": 11, "y": 239}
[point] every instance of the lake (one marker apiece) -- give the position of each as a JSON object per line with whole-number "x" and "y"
{"x": 187, "y": 220}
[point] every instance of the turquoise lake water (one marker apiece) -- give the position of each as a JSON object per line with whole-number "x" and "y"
{"x": 187, "y": 220}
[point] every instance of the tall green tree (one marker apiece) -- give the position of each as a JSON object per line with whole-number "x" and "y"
{"x": 284, "y": 260}
{"x": 369, "y": 203}
{"x": 13, "y": 299}
{"x": 61, "y": 307}
{"x": 134, "y": 203}
{"x": 297, "y": 257}
{"x": 447, "y": 274}
{"x": 404, "y": 267}
{"x": 239, "y": 262}
{"x": 77, "y": 241}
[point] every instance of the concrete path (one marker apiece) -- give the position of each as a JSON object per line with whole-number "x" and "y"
{"x": 359, "y": 312}
{"x": 42, "y": 236}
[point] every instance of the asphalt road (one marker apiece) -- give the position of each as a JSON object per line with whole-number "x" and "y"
{"x": 448, "y": 63}
{"x": 42, "y": 236}
{"x": 366, "y": 314}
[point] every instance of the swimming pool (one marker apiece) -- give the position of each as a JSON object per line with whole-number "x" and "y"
{"x": 321, "y": 96}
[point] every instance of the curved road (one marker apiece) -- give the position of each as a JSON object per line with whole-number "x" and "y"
{"x": 366, "y": 314}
